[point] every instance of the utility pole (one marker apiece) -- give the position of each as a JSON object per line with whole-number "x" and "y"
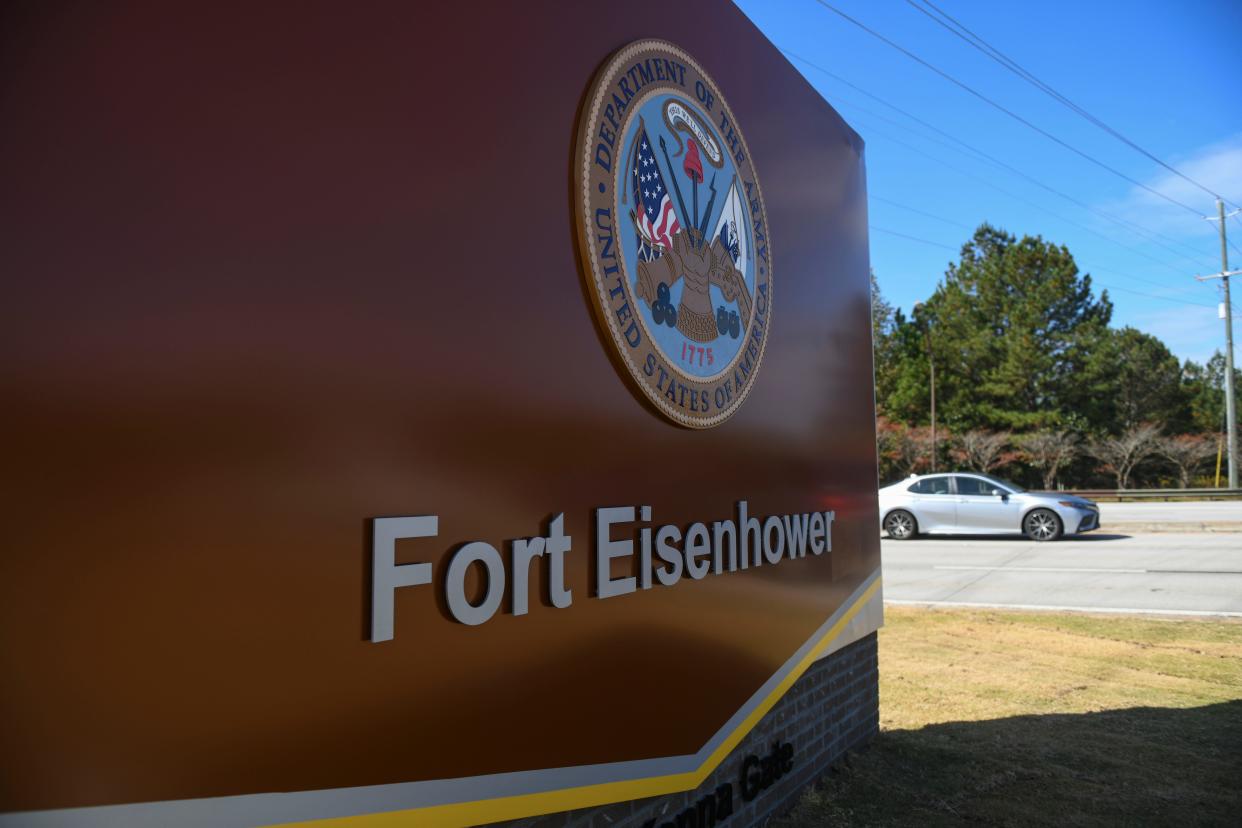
{"x": 1231, "y": 415}
{"x": 931, "y": 367}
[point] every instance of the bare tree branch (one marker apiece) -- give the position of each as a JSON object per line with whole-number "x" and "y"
{"x": 903, "y": 450}
{"x": 1120, "y": 455}
{"x": 982, "y": 451}
{"x": 1187, "y": 452}
{"x": 1049, "y": 451}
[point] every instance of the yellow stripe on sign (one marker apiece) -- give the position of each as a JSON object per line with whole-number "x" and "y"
{"x": 461, "y": 814}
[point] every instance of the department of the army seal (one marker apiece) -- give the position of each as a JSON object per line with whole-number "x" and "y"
{"x": 673, "y": 232}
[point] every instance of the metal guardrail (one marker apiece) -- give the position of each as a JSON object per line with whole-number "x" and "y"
{"x": 1158, "y": 494}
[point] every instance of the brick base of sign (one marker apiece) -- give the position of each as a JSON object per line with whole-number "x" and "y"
{"x": 833, "y": 708}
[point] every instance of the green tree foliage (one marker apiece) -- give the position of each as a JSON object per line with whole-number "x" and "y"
{"x": 883, "y": 323}
{"x": 881, "y": 315}
{"x": 1144, "y": 383}
{"x": 1205, "y": 390}
{"x": 1020, "y": 343}
{"x": 902, "y": 384}
{"x": 1012, "y": 330}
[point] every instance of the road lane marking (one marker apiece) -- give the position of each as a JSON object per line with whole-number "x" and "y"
{"x": 1195, "y": 571}
{"x": 1038, "y": 569}
{"x": 973, "y": 568}
{"x": 1058, "y": 608}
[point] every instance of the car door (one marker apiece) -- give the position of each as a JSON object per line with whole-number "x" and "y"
{"x": 934, "y": 504}
{"x": 978, "y": 510}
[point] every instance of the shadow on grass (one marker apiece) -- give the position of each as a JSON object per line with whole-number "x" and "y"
{"x": 1139, "y": 766}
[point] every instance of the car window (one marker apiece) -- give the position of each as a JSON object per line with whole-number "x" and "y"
{"x": 1004, "y": 485}
{"x": 973, "y": 486}
{"x": 931, "y": 485}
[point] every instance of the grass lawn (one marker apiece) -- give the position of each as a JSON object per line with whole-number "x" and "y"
{"x": 1040, "y": 719}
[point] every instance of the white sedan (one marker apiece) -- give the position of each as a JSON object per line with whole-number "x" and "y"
{"x": 967, "y": 503}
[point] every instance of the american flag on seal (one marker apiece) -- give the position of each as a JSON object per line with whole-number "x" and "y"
{"x": 656, "y": 220}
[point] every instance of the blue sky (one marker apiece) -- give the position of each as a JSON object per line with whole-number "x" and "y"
{"x": 1167, "y": 75}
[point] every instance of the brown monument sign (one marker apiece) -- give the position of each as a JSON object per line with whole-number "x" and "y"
{"x": 406, "y": 427}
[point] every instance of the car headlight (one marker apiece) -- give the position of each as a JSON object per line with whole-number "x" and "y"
{"x": 1074, "y": 505}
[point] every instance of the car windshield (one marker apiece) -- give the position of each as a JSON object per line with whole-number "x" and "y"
{"x": 1013, "y": 487}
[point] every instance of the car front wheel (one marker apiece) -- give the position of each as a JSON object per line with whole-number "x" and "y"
{"x": 1042, "y": 525}
{"x": 900, "y": 525}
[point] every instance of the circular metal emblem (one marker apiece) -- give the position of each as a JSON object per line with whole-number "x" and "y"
{"x": 673, "y": 232}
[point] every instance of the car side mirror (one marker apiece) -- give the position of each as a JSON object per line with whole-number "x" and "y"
{"x": 999, "y": 493}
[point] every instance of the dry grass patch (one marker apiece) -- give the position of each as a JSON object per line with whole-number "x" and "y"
{"x": 1042, "y": 719}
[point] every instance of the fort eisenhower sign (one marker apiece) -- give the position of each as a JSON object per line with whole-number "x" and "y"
{"x": 701, "y": 552}
{"x": 437, "y": 430}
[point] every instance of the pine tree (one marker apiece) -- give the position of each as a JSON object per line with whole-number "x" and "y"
{"x": 1012, "y": 329}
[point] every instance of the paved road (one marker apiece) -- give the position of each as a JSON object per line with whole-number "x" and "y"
{"x": 1180, "y": 574}
{"x": 1192, "y": 511}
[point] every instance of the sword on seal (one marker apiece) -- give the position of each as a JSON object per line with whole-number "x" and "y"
{"x": 707, "y": 214}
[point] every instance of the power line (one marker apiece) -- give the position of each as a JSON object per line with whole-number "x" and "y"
{"x": 920, "y": 212}
{"x": 1096, "y": 270}
{"x": 1154, "y": 296}
{"x": 1172, "y": 267}
{"x": 1220, "y": 291}
{"x": 1009, "y": 63}
{"x": 1149, "y": 295}
{"x": 912, "y": 238}
{"x": 1120, "y": 222}
{"x": 1027, "y": 201}
{"x": 1003, "y": 109}
{"x": 1139, "y": 230}
{"x": 1088, "y": 271}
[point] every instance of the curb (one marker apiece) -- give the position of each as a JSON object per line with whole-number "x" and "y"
{"x": 1172, "y": 527}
